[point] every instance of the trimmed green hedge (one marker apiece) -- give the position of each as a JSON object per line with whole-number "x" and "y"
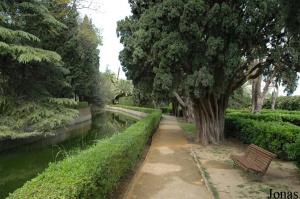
{"x": 166, "y": 110}
{"x": 270, "y": 116}
{"x": 136, "y": 108}
{"x": 82, "y": 105}
{"x": 296, "y": 149}
{"x": 274, "y": 136}
{"x": 95, "y": 171}
{"x": 285, "y": 102}
{"x": 127, "y": 101}
{"x": 280, "y": 111}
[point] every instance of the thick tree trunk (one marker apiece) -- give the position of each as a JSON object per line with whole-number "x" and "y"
{"x": 187, "y": 107}
{"x": 209, "y": 117}
{"x": 256, "y": 92}
{"x": 188, "y": 111}
{"x": 258, "y": 95}
{"x": 274, "y": 97}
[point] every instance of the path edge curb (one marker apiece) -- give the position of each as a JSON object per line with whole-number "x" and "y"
{"x": 201, "y": 170}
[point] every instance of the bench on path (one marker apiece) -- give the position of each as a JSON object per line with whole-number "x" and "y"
{"x": 256, "y": 160}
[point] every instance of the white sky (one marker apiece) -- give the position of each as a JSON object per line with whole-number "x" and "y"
{"x": 105, "y": 18}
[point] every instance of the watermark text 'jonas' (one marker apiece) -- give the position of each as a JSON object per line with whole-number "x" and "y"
{"x": 283, "y": 194}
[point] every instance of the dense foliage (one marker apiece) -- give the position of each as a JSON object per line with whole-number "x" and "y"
{"x": 48, "y": 55}
{"x": 36, "y": 116}
{"x": 23, "y": 58}
{"x": 285, "y": 103}
{"x": 114, "y": 88}
{"x": 270, "y": 116}
{"x": 295, "y": 150}
{"x": 95, "y": 171}
{"x": 128, "y": 101}
{"x": 241, "y": 98}
{"x": 136, "y": 108}
{"x": 272, "y": 131}
{"x": 208, "y": 49}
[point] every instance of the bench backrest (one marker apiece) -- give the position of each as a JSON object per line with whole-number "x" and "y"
{"x": 259, "y": 156}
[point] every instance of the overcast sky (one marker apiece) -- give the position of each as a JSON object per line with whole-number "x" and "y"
{"x": 105, "y": 18}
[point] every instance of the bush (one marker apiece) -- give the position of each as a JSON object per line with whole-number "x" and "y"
{"x": 166, "y": 110}
{"x": 297, "y": 150}
{"x": 127, "y": 101}
{"x": 284, "y": 116}
{"x": 274, "y": 136}
{"x": 82, "y": 105}
{"x": 95, "y": 171}
{"x": 285, "y": 103}
{"x": 136, "y": 108}
{"x": 241, "y": 98}
{"x": 280, "y": 111}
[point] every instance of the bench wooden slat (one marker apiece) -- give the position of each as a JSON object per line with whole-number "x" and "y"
{"x": 255, "y": 159}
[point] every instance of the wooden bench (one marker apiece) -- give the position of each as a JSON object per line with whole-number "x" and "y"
{"x": 256, "y": 160}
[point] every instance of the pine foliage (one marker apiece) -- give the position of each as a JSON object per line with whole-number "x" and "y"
{"x": 16, "y": 35}
{"x": 37, "y": 116}
{"x": 48, "y": 57}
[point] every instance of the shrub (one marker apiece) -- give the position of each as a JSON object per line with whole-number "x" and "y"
{"x": 285, "y": 102}
{"x": 264, "y": 117}
{"x": 280, "y": 111}
{"x": 127, "y": 101}
{"x": 229, "y": 110}
{"x": 166, "y": 110}
{"x": 270, "y": 116}
{"x": 297, "y": 150}
{"x": 136, "y": 108}
{"x": 82, "y": 105}
{"x": 95, "y": 171}
{"x": 274, "y": 136}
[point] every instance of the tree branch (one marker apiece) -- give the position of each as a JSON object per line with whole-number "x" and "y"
{"x": 179, "y": 99}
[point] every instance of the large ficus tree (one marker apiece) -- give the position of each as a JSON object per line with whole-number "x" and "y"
{"x": 211, "y": 48}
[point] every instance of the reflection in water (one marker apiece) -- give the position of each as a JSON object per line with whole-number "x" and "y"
{"x": 19, "y": 165}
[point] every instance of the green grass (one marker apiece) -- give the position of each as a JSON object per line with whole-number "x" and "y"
{"x": 82, "y": 105}
{"x": 189, "y": 128}
{"x": 210, "y": 184}
{"x": 126, "y": 101}
{"x": 95, "y": 171}
{"x": 136, "y": 108}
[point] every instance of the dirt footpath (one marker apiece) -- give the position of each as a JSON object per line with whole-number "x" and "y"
{"x": 169, "y": 170}
{"x": 229, "y": 182}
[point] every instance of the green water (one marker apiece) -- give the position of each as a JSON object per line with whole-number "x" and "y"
{"x": 20, "y": 165}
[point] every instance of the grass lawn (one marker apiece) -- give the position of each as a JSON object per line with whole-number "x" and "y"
{"x": 189, "y": 130}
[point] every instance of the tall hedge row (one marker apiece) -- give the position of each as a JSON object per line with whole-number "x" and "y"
{"x": 269, "y": 131}
{"x": 285, "y": 103}
{"x": 270, "y": 116}
{"x": 295, "y": 149}
{"x": 136, "y": 108}
{"x": 95, "y": 171}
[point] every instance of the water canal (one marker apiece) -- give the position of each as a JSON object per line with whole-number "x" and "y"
{"x": 22, "y": 164}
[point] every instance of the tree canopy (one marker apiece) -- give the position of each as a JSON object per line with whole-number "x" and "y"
{"x": 49, "y": 58}
{"x": 47, "y": 45}
{"x": 210, "y": 48}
